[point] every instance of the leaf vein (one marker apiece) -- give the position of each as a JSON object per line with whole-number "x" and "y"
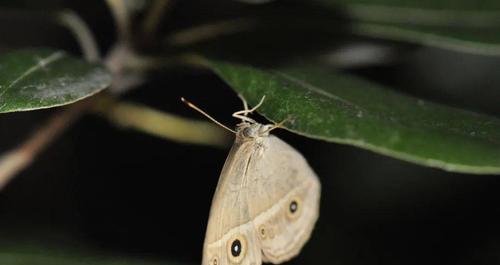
{"x": 315, "y": 89}
{"x": 41, "y": 63}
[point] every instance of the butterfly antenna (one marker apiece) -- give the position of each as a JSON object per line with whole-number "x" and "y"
{"x": 191, "y": 105}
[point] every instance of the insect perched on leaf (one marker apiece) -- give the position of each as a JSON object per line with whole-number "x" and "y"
{"x": 266, "y": 202}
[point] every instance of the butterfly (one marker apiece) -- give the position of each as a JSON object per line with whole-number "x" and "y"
{"x": 266, "y": 202}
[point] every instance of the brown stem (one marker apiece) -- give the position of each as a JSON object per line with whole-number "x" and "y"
{"x": 154, "y": 15}
{"x": 19, "y": 158}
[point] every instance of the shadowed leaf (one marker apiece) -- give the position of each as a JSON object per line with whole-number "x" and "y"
{"x": 42, "y": 78}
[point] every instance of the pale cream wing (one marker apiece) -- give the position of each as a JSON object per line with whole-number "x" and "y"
{"x": 284, "y": 195}
{"x": 231, "y": 237}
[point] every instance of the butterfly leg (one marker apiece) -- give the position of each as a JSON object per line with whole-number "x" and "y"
{"x": 242, "y": 114}
{"x": 245, "y": 104}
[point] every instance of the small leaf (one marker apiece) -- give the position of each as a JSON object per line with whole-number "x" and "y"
{"x": 463, "y": 5}
{"x": 464, "y": 26}
{"x": 51, "y": 259}
{"x": 255, "y": 1}
{"x": 21, "y": 254}
{"x": 42, "y": 78}
{"x": 345, "y": 109}
{"x": 477, "y": 41}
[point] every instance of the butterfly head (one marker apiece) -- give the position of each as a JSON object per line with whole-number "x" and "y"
{"x": 247, "y": 130}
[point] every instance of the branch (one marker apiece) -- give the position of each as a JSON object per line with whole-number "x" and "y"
{"x": 82, "y": 33}
{"x": 154, "y": 15}
{"x": 19, "y": 158}
{"x": 209, "y": 31}
{"x": 122, "y": 18}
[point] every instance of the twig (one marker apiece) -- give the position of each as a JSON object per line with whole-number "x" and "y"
{"x": 209, "y": 31}
{"x": 82, "y": 33}
{"x": 19, "y": 158}
{"x": 122, "y": 18}
{"x": 153, "y": 17}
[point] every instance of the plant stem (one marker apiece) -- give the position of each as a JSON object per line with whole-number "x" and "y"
{"x": 19, "y": 158}
{"x": 122, "y": 18}
{"x": 209, "y": 31}
{"x": 82, "y": 33}
{"x": 154, "y": 15}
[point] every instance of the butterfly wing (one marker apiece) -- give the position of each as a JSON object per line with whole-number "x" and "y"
{"x": 284, "y": 195}
{"x": 231, "y": 237}
{"x": 265, "y": 205}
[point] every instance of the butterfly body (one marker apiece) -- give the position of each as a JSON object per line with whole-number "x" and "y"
{"x": 266, "y": 202}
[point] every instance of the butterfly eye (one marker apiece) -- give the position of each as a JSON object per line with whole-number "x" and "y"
{"x": 294, "y": 208}
{"x": 248, "y": 132}
{"x": 237, "y": 248}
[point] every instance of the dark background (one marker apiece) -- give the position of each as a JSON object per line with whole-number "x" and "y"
{"x": 124, "y": 193}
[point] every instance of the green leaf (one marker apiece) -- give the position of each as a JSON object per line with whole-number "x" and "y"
{"x": 42, "y": 255}
{"x": 464, "y": 26}
{"x": 479, "y": 41}
{"x": 43, "y": 78}
{"x": 465, "y": 5}
{"x": 49, "y": 259}
{"x": 345, "y": 109}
